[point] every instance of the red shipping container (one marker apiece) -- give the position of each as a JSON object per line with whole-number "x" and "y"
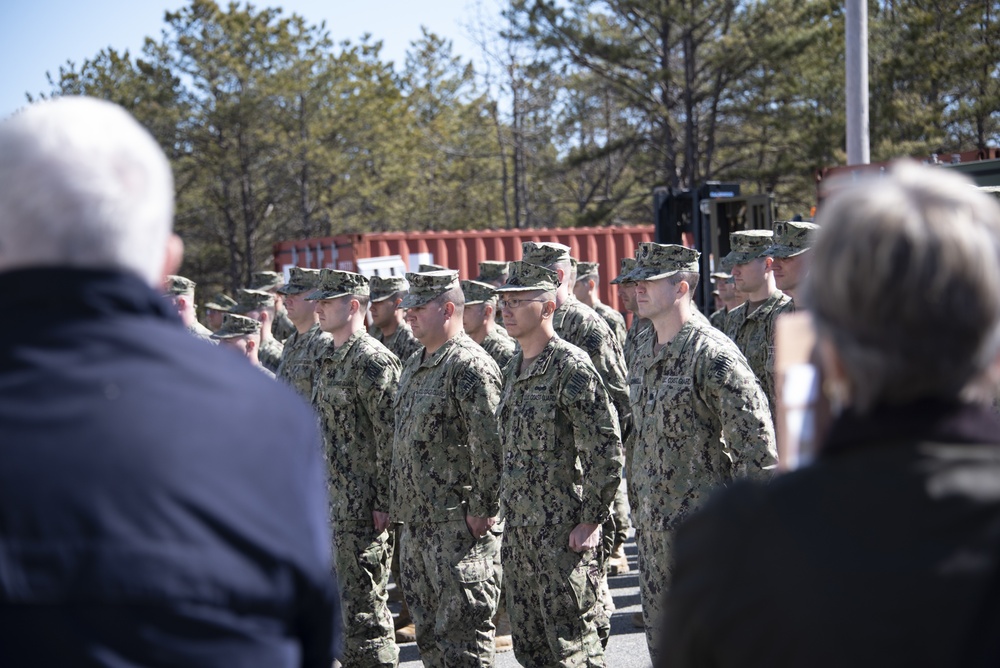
{"x": 461, "y": 250}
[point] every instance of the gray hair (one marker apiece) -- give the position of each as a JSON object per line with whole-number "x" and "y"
{"x": 82, "y": 184}
{"x": 905, "y": 283}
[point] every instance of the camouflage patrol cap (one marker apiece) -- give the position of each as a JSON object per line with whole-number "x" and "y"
{"x": 300, "y": 280}
{"x": 746, "y": 246}
{"x": 720, "y": 276}
{"x": 587, "y": 270}
{"x": 234, "y": 326}
{"x": 266, "y": 280}
{"x": 423, "y": 268}
{"x": 493, "y": 270}
{"x": 791, "y": 238}
{"x": 221, "y": 302}
{"x": 251, "y": 300}
{"x": 384, "y": 287}
{"x": 334, "y": 283}
{"x": 528, "y": 276}
{"x": 656, "y": 261}
{"x": 627, "y": 265}
{"x": 477, "y": 293}
{"x": 427, "y": 286}
{"x": 178, "y": 285}
{"x": 544, "y": 253}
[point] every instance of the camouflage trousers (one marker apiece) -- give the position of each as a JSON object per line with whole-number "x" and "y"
{"x": 553, "y": 597}
{"x": 362, "y": 560}
{"x": 655, "y": 569}
{"x": 619, "y": 512}
{"x": 451, "y": 582}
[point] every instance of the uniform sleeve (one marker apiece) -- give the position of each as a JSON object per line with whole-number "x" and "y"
{"x": 598, "y": 441}
{"x": 730, "y": 385}
{"x": 380, "y": 382}
{"x": 478, "y": 392}
{"x": 609, "y": 360}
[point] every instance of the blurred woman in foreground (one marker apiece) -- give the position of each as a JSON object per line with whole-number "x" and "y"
{"x": 886, "y": 550}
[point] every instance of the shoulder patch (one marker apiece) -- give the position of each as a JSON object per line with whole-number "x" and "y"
{"x": 578, "y": 381}
{"x": 721, "y": 367}
{"x": 593, "y": 342}
{"x": 375, "y": 366}
{"x": 469, "y": 381}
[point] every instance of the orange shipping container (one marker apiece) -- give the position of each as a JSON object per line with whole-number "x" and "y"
{"x": 387, "y": 253}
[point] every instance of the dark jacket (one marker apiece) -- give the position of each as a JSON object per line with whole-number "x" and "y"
{"x": 161, "y": 501}
{"x": 885, "y": 552}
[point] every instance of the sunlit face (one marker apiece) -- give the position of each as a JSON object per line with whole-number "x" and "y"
{"x": 727, "y": 291}
{"x": 522, "y": 312}
{"x": 789, "y": 271}
{"x": 334, "y": 314}
{"x": 750, "y": 277}
{"x": 474, "y": 319}
{"x": 428, "y": 323}
{"x": 626, "y": 293}
{"x": 581, "y": 289}
{"x": 384, "y": 312}
{"x": 656, "y": 298}
{"x": 299, "y": 308}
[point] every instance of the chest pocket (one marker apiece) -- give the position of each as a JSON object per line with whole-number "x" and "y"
{"x": 535, "y": 422}
{"x": 340, "y": 407}
{"x": 674, "y": 397}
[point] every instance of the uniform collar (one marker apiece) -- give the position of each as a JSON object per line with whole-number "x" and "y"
{"x": 443, "y": 351}
{"x": 541, "y": 363}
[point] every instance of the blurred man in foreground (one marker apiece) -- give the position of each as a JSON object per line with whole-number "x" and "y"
{"x": 161, "y": 502}
{"x": 885, "y": 551}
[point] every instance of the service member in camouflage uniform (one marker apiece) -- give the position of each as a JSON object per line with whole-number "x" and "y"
{"x": 480, "y": 325}
{"x": 751, "y": 324}
{"x": 701, "y": 417}
{"x": 302, "y": 350}
{"x": 495, "y": 273}
{"x": 220, "y": 305}
{"x": 790, "y": 253}
{"x": 446, "y": 479}
{"x": 726, "y": 289}
{"x": 562, "y": 465}
{"x": 355, "y": 388}
{"x": 180, "y": 291}
{"x": 259, "y": 305}
{"x": 388, "y": 326}
{"x": 640, "y": 326}
{"x": 580, "y": 325}
{"x": 587, "y": 290}
{"x": 242, "y": 335}
{"x": 270, "y": 281}
{"x": 423, "y": 268}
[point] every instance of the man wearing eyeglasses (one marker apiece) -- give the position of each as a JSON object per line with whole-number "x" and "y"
{"x": 562, "y": 460}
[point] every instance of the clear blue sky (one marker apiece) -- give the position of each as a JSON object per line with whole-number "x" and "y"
{"x": 37, "y": 36}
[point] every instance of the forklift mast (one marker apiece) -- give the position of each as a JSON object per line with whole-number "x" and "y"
{"x": 703, "y": 219}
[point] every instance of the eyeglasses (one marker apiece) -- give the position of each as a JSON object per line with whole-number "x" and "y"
{"x": 515, "y": 303}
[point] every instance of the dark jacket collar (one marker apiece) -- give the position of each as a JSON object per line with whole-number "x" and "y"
{"x": 43, "y": 295}
{"x": 926, "y": 420}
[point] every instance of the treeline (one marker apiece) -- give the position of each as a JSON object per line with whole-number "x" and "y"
{"x": 581, "y": 108}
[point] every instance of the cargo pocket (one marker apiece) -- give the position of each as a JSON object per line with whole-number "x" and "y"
{"x": 585, "y": 582}
{"x": 475, "y": 579}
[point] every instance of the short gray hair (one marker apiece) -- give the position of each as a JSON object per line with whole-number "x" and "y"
{"x": 905, "y": 283}
{"x": 82, "y": 184}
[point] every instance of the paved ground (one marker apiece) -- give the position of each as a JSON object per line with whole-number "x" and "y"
{"x": 627, "y": 645}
